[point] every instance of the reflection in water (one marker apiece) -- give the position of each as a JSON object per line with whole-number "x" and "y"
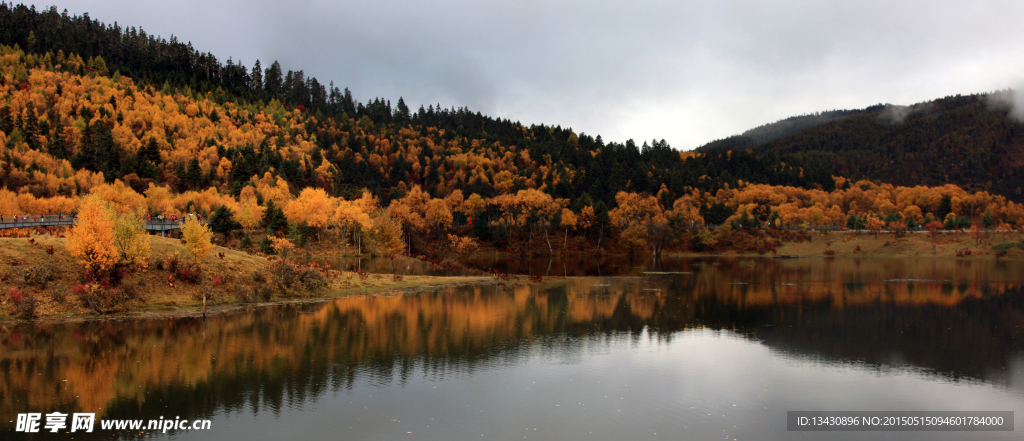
{"x": 943, "y": 320}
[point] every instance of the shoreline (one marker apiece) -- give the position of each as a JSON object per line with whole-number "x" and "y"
{"x": 162, "y": 296}
{"x": 149, "y": 312}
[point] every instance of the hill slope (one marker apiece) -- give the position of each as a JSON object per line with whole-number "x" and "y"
{"x": 970, "y": 141}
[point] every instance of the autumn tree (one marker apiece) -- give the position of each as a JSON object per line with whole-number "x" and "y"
{"x": 347, "y": 217}
{"x": 131, "y": 240}
{"x": 386, "y": 234}
{"x": 897, "y": 227}
{"x": 91, "y": 240}
{"x": 312, "y": 208}
{"x": 586, "y": 219}
{"x": 568, "y": 221}
{"x": 641, "y": 221}
{"x": 250, "y": 214}
{"x": 439, "y": 218}
{"x": 197, "y": 238}
{"x": 875, "y": 225}
{"x": 281, "y": 245}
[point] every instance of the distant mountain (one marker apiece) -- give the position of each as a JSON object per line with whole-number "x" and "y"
{"x": 769, "y": 132}
{"x": 971, "y": 141}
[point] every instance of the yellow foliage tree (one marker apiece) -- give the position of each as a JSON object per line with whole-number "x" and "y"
{"x": 639, "y": 216}
{"x": 439, "y": 217}
{"x": 281, "y": 245}
{"x": 347, "y": 217}
{"x": 91, "y": 240}
{"x": 249, "y": 214}
{"x": 313, "y": 207}
{"x": 197, "y": 238}
{"x": 131, "y": 240}
{"x": 386, "y": 234}
{"x": 569, "y": 221}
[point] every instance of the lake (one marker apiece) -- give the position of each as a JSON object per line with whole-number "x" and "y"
{"x": 701, "y": 348}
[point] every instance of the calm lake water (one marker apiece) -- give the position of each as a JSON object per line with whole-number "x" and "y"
{"x": 715, "y": 349}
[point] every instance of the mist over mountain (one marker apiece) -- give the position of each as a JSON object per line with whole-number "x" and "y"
{"x": 974, "y": 141}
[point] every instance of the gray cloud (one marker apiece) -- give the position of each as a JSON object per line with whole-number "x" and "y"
{"x": 1011, "y": 100}
{"x": 685, "y": 71}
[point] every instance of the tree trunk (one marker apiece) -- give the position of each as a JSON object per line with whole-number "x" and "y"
{"x": 565, "y": 242}
{"x": 548, "y": 239}
{"x": 600, "y": 234}
{"x": 344, "y": 242}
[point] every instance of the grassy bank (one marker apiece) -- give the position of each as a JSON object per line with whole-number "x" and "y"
{"x": 946, "y": 245}
{"x": 40, "y": 270}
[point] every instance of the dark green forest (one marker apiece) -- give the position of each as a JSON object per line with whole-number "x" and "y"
{"x": 971, "y": 141}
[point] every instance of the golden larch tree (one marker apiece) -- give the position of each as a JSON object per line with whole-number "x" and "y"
{"x": 91, "y": 240}
{"x": 197, "y": 238}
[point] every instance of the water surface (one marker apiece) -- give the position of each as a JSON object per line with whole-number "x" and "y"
{"x": 705, "y": 349}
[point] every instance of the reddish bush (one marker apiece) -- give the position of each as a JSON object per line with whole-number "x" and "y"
{"x": 79, "y": 289}
{"x": 830, "y": 252}
{"x": 857, "y": 249}
{"x": 216, "y": 281}
{"x": 397, "y": 277}
{"x": 172, "y": 264}
{"x": 49, "y": 249}
{"x": 188, "y": 274}
{"x": 15, "y": 294}
{"x": 362, "y": 274}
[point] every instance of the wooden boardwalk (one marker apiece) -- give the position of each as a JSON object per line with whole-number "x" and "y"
{"x": 55, "y": 220}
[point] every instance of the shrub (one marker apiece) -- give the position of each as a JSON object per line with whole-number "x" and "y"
{"x": 107, "y": 300}
{"x": 1003, "y": 246}
{"x": 242, "y": 295}
{"x": 245, "y": 243}
{"x": 259, "y": 277}
{"x": 172, "y": 264}
{"x": 27, "y": 306}
{"x": 59, "y": 293}
{"x": 40, "y": 275}
{"x": 857, "y": 249}
{"x": 263, "y": 293}
{"x": 830, "y": 252}
{"x": 297, "y": 279}
{"x": 15, "y": 294}
{"x": 188, "y": 273}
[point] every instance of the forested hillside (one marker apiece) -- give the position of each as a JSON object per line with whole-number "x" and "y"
{"x": 155, "y": 127}
{"x": 970, "y": 141}
{"x": 763, "y": 134}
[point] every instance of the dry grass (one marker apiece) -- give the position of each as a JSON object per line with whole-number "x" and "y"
{"x": 911, "y": 245}
{"x": 224, "y": 281}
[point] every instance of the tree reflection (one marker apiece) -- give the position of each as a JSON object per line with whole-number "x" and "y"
{"x": 945, "y": 318}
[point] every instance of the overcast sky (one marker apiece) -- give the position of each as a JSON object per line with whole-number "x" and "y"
{"x": 685, "y": 71}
